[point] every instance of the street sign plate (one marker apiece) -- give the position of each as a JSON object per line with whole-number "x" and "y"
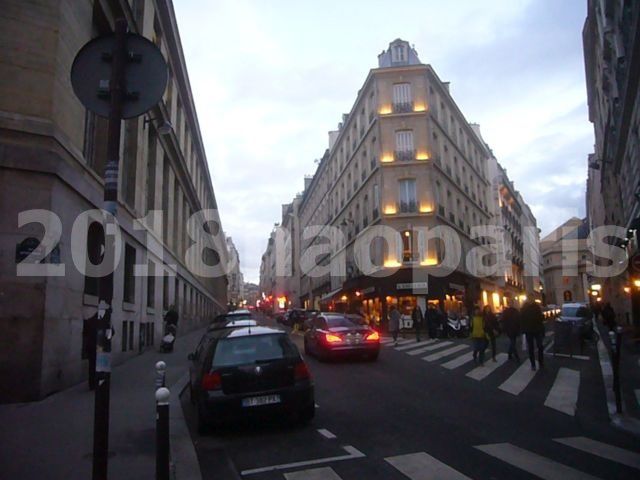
{"x": 145, "y": 75}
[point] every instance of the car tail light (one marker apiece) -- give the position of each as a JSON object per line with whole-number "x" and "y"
{"x": 331, "y": 338}
{"x": 373, "y": 337}
{"x": 211, "y": 381}
{"x": 301, "y": 372}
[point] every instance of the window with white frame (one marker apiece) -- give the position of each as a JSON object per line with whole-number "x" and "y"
{"x": 398, "y": 53}
{"x": 402, "y": 101}
{"x": 404, "y": 145}
{"x": 407, "y": 194}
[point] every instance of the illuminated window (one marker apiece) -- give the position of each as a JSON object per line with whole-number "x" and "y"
{"x": 407, "y": 246}
{"x": 407, "y": 193}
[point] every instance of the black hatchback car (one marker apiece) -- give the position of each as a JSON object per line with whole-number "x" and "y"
{"x": 249, "y": 372}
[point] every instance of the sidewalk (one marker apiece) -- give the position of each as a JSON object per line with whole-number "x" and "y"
{"x": 629, "y": 380}
{"x": 53, "y": 438}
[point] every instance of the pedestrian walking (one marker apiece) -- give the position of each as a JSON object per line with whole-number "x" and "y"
{"x": 394, "y": 323}
{"x": 417, "y": 317}
{"x": 609, "y": 316}
{"x": 532, "y": 325}
{"x": 491, "y": 328}
{"x": 478, "y": 335}
{"x": 432, "y": 320}
{"x": 511, "y": 327}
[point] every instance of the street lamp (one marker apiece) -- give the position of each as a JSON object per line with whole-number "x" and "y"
{"x": 163, "y": 128}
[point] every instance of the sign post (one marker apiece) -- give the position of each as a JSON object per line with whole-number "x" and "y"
{"x": 115, "y": 76}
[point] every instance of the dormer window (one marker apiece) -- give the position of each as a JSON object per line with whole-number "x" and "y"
{"x": 398, "y": 54}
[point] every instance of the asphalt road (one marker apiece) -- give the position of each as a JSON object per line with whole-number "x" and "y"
{"x": 409, "y": 417}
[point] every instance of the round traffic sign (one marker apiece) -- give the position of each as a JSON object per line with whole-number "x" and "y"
{"x": 145, "y": 75}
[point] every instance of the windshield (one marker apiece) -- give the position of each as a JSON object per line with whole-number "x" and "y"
{"x": 333, "y": 322}
{"x": 575, "y": 311}
{"x": 252, "y": 349}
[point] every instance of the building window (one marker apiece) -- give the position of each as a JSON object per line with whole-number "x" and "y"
{"x": 404, "y": 145}
{"x": 407, "y": 246}
{"x": 402, "y": 100}
{"x": 398, "y": 54}
{"x": 376, "y": 201}
{"x": 151, "y": 285}
{"x": 407, "y": 191}
{"x": 129, "y": 293}
{"x": 165, "y": 291}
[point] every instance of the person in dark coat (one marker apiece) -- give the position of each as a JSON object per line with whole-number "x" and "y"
{"x": 90, "y": 346}
{"x": 394, "y": 323}
{"x": 609, "y": 316}
{"x": 532, "y": 325}
{"x": 491, "y": 328}
{"x": 511, "y": 327}
{"x": 417, "y": 317}
{"x": 432, "y": 320}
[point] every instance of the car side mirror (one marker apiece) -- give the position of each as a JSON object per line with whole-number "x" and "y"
{"x": 191, "y": 357}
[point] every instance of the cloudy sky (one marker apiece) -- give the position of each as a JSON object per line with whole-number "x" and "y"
{"x": 271, "y": 78}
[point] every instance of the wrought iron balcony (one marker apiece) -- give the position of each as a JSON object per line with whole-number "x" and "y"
{"x": 403, "y": 107}
{"x": 404, "y": 155}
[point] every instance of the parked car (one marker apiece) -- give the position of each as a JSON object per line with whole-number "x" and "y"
{"x": 232, "y": 322}
{"x": 231, "y": 316}
{"x": 239, "y": 312}
{"x": 334, "y": 334}
{"x": 248, "y": 373}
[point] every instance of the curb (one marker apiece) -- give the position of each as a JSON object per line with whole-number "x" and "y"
{"x": 621, "y": 421}
{"x": 184, "y": 459}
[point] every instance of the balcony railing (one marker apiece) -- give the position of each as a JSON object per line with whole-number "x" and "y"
{"x": 405, "y": 155}
{"x": 408, "y": 207}
{"x": 403, "y": 107}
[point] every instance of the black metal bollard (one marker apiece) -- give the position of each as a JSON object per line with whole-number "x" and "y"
{"x": 616, "y": 346}
{"x": 162, "y": 434}
{"x": 161, "y": 369}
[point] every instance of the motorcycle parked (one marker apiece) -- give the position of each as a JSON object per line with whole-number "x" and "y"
{"x": 457, "y": 327}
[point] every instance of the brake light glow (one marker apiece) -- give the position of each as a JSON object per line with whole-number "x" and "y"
{"x": 373, "y": 337}
{"x": 301, "y": 372}
{"x": 331, "y": 338}
{"x": 211, "y": 381}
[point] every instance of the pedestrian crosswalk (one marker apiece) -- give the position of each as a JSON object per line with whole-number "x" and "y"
{"x": 562, "y": 395}
{"x": 425, "y": 466}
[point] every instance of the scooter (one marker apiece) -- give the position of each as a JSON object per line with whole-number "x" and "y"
{"x": 166, "y": 346}
{"x": 457, "y": 327}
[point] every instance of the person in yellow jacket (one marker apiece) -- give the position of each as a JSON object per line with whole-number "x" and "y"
{"x": 478, "y": 335}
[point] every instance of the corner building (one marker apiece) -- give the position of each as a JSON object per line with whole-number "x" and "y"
{"x": 404, "y": 157}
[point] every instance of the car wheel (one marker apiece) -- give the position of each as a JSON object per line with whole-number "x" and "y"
{"x": 307, "y": 414}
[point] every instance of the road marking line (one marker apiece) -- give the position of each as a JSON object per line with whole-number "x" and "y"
{"x": 610, "y": 452}
{"x": 428, "y": 348}
{"x": 321, "y": 473}
{"x": 563, "y": 395}
{"x": 317, "y": 406}
{"x": 421, "y": 466}
{"x": 385, "y": 340}
{"x": 549, "y": 333}
{"x": 351, "y": 451}
{"x": 415, "y": 345}
{"x": 519, "y": 380}
{"x": 458, "y": 361}
{"x": 549, "y": 346}
{"x": 326, "y": 433}
{"x": 566, "y": 355}
{"x": 444, "y": 353}
{"x": 480, "y": 373}
{"x": 532, "y": 462}
{"x": 400, "y": 342}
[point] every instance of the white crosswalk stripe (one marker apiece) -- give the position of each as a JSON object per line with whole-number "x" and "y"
{"x": 533, "y": 463}
{"x": 610, "y": 452}
{"x": 444, "y": 353}
{"x": 563, "y": 395}
{"x": 519, "y": 380}
{"x": 421, "y": 466}
{"x": 458, "y": 361}
{"x": 428, "y": 348}
{"x": 482, "y": 372}
{"x": 324, "y": 473}
{"x": 415, "y": 345}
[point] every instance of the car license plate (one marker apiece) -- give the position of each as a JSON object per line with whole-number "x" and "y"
{"x": 258, "y": 401}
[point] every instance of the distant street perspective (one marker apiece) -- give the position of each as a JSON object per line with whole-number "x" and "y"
{"x": 305, "y": 242}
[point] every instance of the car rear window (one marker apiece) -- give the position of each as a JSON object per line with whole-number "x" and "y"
{"x": 252, "y": 349}
{"x": 577, "y": 311}
{"x": 340, "y": 322}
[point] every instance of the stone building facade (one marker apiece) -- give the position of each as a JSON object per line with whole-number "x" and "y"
{"x": 52, "y": 154}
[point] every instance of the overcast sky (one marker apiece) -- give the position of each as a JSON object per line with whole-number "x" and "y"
{"x": 270, "y": 79}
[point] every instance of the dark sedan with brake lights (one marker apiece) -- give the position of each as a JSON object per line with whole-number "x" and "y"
{"x": 333, "y": 334}
{"x": 249, "y": 372}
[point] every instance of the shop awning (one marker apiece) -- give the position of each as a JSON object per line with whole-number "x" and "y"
{"x": 330, "y": 295}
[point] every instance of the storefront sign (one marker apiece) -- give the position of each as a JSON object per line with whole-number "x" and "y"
{"x": 413, "y": 286}
{"x": 456, "y": 286}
